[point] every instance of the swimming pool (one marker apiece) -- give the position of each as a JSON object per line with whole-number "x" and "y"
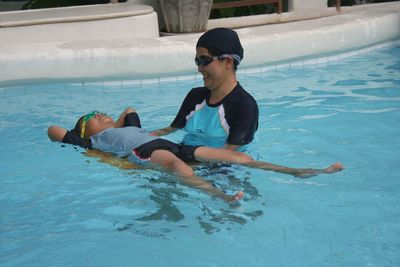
{"x": 61, "y": 208}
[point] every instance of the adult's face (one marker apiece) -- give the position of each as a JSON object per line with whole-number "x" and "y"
{"x": 215, "y": 72}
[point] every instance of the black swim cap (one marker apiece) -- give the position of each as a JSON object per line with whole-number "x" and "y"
{"x": 220, "y": 41}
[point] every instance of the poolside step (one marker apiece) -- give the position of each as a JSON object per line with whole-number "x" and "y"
{"x": 90, "y": 22}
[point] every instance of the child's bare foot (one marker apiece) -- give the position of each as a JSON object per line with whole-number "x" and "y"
{"x": 236, "y": 197}
{"x": 336, "y": 167}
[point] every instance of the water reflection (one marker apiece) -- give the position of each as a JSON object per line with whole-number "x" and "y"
{"x": 175, "y": 206}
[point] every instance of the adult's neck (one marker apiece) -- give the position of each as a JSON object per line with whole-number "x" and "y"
{"x": 222, "y": 91}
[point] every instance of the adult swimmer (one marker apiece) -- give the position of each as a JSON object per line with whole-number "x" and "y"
{"x": 221, "y": 108}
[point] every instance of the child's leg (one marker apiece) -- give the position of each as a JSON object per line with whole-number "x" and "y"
{"x": 217, "y": 154}
{"x": 168, "y": 161}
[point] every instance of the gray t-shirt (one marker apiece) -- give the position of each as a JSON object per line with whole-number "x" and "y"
{"x": 121, "y": 141}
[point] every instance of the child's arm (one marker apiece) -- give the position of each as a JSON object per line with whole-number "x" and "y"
{"x": 56, "y": 133}
{"x": 121, "y": 120}
{"x": 59, "y": 134}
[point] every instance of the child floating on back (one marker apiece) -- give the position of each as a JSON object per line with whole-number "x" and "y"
{"x": 126, "y": 138}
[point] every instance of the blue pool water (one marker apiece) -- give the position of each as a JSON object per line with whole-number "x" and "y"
{"x": 62, "y": 208}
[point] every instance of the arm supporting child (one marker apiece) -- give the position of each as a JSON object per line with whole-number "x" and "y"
{"x": 164, "y": 131}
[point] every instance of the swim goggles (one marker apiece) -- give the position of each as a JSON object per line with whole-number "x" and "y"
{"x": 204, "y": 60}
{"x": 86, "y": 118}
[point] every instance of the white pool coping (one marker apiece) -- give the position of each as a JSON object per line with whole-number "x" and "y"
{"x": 169, "y": 57}
{"x": 127, "y": 20}
{"x": 72, "y": 14}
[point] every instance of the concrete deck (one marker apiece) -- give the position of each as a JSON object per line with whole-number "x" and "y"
{"x": 72, "y": 14}
{"x": 78, "y": 23}
{"x": 154, "y": 58}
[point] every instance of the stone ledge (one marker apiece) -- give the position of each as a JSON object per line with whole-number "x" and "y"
{"x": 72, "y": 14}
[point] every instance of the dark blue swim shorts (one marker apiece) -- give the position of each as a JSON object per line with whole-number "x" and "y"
{"x": 183, "y": 152}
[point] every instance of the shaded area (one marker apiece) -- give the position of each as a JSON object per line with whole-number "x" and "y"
{"x": 35, "y": 4}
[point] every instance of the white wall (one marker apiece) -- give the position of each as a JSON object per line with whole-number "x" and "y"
{"x": 307, "y": 5}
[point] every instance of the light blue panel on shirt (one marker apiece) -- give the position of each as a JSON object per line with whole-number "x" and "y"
{"x": 207, "y": 120}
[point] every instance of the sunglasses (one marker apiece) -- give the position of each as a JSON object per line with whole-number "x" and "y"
{"x": 86, "y": 118}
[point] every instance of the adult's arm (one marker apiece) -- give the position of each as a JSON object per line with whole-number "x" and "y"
{"x": 195, "y": 96}
{"x": 244, "y": 123}
{"x": 164, "y": 131}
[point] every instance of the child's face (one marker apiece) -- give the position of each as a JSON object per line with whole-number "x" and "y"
{"x": 98, "y": 123}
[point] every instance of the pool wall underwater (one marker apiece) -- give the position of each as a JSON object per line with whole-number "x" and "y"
{"x": 172, "y": 56}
